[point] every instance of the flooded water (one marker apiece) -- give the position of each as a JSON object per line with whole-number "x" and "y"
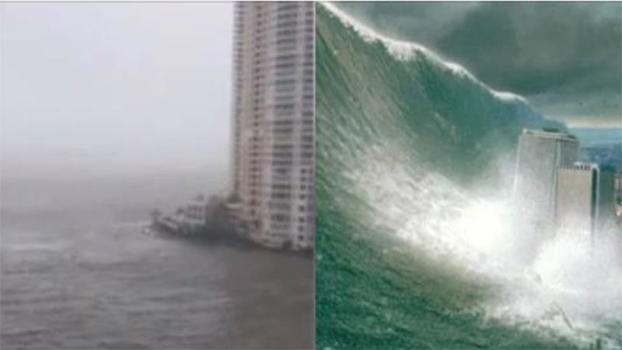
{"x": 78, "y": 274}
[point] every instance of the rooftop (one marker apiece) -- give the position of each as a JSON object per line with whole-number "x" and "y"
{"x": 582, "y": 166}
{"x": 550, "y": 133}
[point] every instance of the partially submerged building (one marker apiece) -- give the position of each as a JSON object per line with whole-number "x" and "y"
{"x": 585, "y": 199}
{"x": 541, "y": 153}
{"x": 555, "y": 193}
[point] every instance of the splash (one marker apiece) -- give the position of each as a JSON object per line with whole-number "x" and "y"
{"x": 566, "y": 290}
{"x": 416, "y": 230}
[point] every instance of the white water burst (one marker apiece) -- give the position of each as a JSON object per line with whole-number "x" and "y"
{"x": 563, "y": 290}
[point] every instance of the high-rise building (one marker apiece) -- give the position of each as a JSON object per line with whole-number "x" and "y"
{"x": 618, "y": 185}
{"x": 585, "y": 199}
{"x": 273, "y": 122}
{"x": 541, "y": 153}
{"x": 576, "y": 195}
{"x": 606, "y": 197}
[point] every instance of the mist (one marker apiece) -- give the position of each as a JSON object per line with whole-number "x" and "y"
{"x": 115, "y": 90}
{"x": 107, "y": 112}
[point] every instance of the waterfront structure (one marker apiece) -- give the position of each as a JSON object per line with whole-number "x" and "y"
{"x": 541, "y": 153}
{"x": 273, "y": 122}
{"x": 585, "y": 199}
{"x": 192, "y": 216}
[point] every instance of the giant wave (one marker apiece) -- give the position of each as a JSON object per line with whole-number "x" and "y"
{"x": 415, "y": 246}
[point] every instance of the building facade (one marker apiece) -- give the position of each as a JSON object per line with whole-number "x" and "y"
{"x": 585, "y": 199}
{"x": 541, "y": 153}
{"x": 576, "y": 196}
{"x": 606, "y": 198}
{"x": 618, "y": 185}
{"x": 273, "y": 122}
{"x": 193, "y": 218}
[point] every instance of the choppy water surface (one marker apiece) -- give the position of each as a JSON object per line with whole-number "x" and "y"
{"x": 418, "y": 246}
{"x": 78, "y": 274}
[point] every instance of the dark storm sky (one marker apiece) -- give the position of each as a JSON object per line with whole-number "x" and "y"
{"x": 566, "y": 58}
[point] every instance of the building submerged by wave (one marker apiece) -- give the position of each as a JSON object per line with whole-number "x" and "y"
{"x": 557, "y": 193}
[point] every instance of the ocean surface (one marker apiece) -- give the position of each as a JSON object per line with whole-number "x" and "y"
{"x": 594, "y": 137}
{"x": 418, "y": 246}
{"x": 77, "y": 273}
{"x": 601, "y": 145}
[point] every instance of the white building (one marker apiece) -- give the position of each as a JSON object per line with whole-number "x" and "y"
{"x": 541, "y": 153}
{"x": 194, "y": 218}
{"x": 618, "y": 185}
{"x": 273, "y": 122}
{"x": 576, "y": 209}
{"x": 585, "y": 199}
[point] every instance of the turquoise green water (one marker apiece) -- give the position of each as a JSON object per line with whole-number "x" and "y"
{"x": 403, "y": 142}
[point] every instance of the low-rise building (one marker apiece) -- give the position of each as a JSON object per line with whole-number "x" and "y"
{"x": 193, "y": 218}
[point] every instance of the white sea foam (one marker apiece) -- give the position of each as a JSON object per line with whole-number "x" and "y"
{"x": 550, "y": 286}
{"x": 564, "y": 291}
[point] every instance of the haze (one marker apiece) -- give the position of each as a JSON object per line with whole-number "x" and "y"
{"x": 92, "y": 88}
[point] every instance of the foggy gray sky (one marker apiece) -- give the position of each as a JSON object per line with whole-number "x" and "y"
{"x": 90, "y": 87}
{"x": 566, "y": 58}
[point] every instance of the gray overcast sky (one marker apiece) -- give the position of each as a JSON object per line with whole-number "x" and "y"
{"x": 96, "y": 86}
{"x": 566, "y": 58}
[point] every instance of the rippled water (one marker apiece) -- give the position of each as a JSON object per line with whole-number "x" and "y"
{"x": 75, "y": 276}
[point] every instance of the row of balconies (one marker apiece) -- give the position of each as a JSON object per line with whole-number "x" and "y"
{"x": 259, "y": 72}
{"x": 271, "y": 40}
{"x": 286, "y": 137}
{"x": 286, "y": 219}
{"x": 290, "y": 120}
{"x": 281, "y": 194}
{"x": 266, "y": 62}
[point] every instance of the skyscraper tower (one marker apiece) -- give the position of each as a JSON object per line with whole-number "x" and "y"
{"x": 585, "y": 199}
{"x": 273, "y": 122}
{"x": 541, "y": 153}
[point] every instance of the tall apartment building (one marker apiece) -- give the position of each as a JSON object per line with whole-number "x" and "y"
{"x": 585, "y": 199}
{"x": 541, "y": 153}
{"x": 273, "y": 122}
